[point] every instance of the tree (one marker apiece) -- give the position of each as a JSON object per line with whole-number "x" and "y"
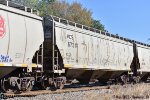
{"x": 79, "y": 14}
{"x": 44, "y": 7}
{"x": 58, "y": 8}
{"x": 74, "y": 12}
{"x": 29, "y": 3}
{"x": 97, "y": 24}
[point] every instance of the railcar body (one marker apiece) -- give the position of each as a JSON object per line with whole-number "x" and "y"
{"x": 20, "y": 39}
{"x": 86, "y": 54}
{"x": 21, "y": 34}
{"x": 144, "y": 59}
{"x": 49, "y": 50}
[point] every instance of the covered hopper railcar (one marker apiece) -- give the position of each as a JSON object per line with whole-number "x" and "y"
{"x": 51, "y": 51}
{"x": 88, "y": 54}
{"x": 21, "y": 34}
{"x": 144, "y": 59}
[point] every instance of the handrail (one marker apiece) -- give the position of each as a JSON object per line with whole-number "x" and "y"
{"x": 19, "y": 6}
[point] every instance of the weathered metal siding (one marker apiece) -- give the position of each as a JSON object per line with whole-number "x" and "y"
{"x": 4, "y": 40}
{"x": 144, "y": 58}
{"x": 35, "y": 37}
{"x": 81, "y": 48}
{"x": 22, "y": 37}
{"x": 17, "y": 42}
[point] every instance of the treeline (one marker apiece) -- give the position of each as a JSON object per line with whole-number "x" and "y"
{"x": 73, "y": 12}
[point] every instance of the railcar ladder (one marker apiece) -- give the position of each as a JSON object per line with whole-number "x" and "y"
{"x": 56, "y": 67}
{"x": 55, "y": 61}
{"x": 40, "y": 57}
{"x": 17, "y": 5}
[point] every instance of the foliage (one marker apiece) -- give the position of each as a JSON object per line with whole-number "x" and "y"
{"x": 79, "y": 14}
{"x": 29, "y": 3}
{"x": 97, "y": 24}
{"x": 43, "y": 7}
{"x": 74, "y": 12}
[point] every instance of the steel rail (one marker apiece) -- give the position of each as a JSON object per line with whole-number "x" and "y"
{"x": 59, "y": 91}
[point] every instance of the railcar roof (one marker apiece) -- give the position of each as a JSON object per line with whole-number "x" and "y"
{"x": 18, "y": 9}
{"x": 29, "y": 12}
{"x": 65, "y": 21}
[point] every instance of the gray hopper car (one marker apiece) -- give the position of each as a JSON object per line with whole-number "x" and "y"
{"x": 21, "y": 34}
{"x": 51, "y": 51}
{"x": 87, "y": 54}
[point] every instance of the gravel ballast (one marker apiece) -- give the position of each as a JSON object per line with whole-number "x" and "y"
{"x": 130, "y": 91}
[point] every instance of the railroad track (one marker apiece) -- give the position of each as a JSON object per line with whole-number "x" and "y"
{"x": 43, "y": 92}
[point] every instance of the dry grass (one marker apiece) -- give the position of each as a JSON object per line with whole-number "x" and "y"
{"x": 126, "y": 92}
{"x": 138, "y": 91}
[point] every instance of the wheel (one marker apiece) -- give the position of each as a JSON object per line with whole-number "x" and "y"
{"x": 5, "y": 85}
{"x": 29, "y": 88}
{"x": 59, "y": 85}
{"x": 145, "y": 77}
{"x": 136, "y": 79}
{"x": 45, "y": 85}
{"x": 124, "y": 79}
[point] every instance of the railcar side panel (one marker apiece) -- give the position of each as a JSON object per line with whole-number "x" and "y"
{"x": 17, "y": 42}
{"x": 144, "y": 58}
{"x": 4, "y": 36}
{"x": 89, "y": 50}
{"x": 23, "y": 35}
{"x": 35, "y": 38}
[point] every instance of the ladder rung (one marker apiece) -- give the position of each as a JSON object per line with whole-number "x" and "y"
{"x": 55, "y": 57}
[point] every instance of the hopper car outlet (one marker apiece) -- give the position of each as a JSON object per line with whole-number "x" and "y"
{"x": 51, "y": 51}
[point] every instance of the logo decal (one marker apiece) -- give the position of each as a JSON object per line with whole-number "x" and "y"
{"x": 2, "y": 27}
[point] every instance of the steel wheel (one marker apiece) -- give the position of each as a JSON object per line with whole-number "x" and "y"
{"x": 45, "y": 85}
{"x": 59, "y": 85}
{"x": 5, "y": 85}
{"x": 29, "y": 88}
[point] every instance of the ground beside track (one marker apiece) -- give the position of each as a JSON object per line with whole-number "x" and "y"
{"x": 134, "y": 92}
